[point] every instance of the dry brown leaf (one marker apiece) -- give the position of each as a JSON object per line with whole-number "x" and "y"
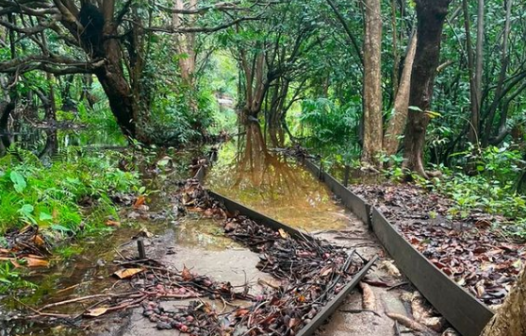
{"x": 143, "y": 233}
{"x": 293, "y": 322}
{"x": 39, "y": 242}
{"x": 240, "y": 312}
{"x": 127, "y": 272}
{"x": 283, "y": 234}
{"x": 110, "y": 222}
{"x": 187, "y": 276}
{"x": 407, "y": 322}
{"x": 36, "y": 262}
{"x": 326, "y": 271}
{"x": 96, "y": 312}
{"x": 369, "y": 299}
{"x": 140, "y": 201}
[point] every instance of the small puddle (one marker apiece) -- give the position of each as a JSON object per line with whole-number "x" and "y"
{"x": 275, "y": 186}
{"x": 195, "y": 231}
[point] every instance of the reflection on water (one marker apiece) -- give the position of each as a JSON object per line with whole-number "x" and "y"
{"x": 273, "y": 185}
{"x": 197, "y": 231}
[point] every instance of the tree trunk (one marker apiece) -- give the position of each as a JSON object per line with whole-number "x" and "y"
{"x": 5, "y": 110}
{"x": 431, "y": 15}
{"x": 510, "y": 317}
{"x": 373, "y": 127}
{"x": 399, "y": 118}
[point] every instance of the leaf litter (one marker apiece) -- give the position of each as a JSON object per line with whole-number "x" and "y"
{"x": 310, "y": 273}
{"x": 477, "y": 257}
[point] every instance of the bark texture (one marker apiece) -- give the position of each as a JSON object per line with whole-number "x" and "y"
{"x": 373, "y": 124}
{"x": 431, "y": 15}
{"x": 510, "y": 319}
{"x": 397, "y": 122}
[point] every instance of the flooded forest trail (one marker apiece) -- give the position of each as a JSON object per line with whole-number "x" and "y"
{"x": 281, "y": 188}
{"x": 251, "y": 174}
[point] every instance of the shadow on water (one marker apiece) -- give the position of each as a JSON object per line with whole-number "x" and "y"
{"x": 249, "y": 173}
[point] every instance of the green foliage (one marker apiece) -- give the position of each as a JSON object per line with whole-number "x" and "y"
{"x": 10, "y": 279}
{"x": 330, "y": 128}
{"x": 491, "y": 189}
{"x": 49, "y": 196}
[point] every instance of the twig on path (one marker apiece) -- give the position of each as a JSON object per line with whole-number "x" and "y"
{"x": 90, "y": 297}
{"x": 398, "y": 285}
{"x": 358, "y": 311}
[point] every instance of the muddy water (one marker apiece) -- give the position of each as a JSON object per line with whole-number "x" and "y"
{"x": 90, "y": 270}
{"x": 275, "y": 186}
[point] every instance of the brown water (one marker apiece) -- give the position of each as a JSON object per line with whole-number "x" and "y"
{"x": 275, "y": 186}
{"x": 90, "y": 271}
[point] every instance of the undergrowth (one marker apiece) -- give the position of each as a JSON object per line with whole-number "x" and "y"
{"x": 69, "y": 198}
{"x": 492, "y": 188}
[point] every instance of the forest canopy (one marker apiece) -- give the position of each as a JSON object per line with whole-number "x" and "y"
{"x": 376, "y": 82}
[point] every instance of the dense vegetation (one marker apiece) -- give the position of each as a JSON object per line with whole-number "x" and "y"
{"x": 432, "y": 90}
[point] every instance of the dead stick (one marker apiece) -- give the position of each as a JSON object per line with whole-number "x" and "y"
{"x": 90, "y": 297}
{"x": 358, "y": 311}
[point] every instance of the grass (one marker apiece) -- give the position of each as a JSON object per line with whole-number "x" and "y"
{"x": 69, "y": 198}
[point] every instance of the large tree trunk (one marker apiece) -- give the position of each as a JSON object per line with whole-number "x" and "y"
{"x": 111, "y": 74}
{"x": 401, "y": 105}
{"x": 510, "y": 317}
{"x": 431, "y": 15}
{"x": 373, "y": 127}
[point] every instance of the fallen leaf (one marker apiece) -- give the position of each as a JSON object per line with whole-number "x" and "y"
{"x": 127, "y": 272}
{"x": 407, "y": 322}
{"x": 283, "y": 234}
{"x": 140, "y": 201}
{"x": 187, "y": 276}
{"x": 143, "y": 233}
{"x": 369, "y": 299}
{"x": 241, "y": 312}
{"x": 110, "y": 222}
{"x": 326, "y": 271}
{"x": 36, "y": 262}
{"x": 391, "y": 268}
{"x": 39, "y": 242}
{"x": 96, "y": 312}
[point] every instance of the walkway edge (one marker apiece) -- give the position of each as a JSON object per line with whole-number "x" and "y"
{"x": 332, "y": 305}
{"x": 466, "y": 314}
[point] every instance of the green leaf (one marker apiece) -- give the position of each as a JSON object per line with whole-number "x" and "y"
{"x": 60, "y": 228}
{"x": 26, "y": 210}
{"x": 415, "y": 108}
{"x": 19, "y": 181}
{"x": 45, "y": 216}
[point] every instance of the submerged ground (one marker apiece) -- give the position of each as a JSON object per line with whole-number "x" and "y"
{"x": 267, "y": 182}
